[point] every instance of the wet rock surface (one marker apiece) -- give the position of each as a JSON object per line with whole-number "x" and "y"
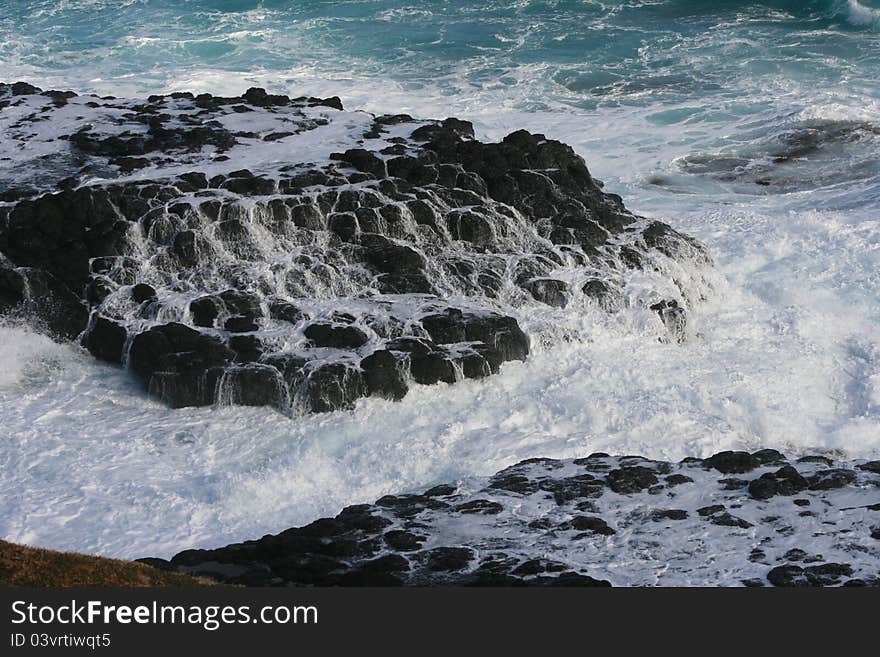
{"x": 317, "y": 255}
{"x": 593, "y": 521}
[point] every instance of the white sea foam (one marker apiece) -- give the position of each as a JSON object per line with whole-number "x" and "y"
{"x": 785, "y": 353}
{"x": 859, "y": 14}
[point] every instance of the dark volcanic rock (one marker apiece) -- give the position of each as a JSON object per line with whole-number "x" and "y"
{"x": 143, "y": 292}
{"x": 333, "y": 335}
{"x": 333, "y": 387}
{"x": 362, "y": 254}
{"x": 105, "y": 339}
{"x": 828, "y": 479}
{"x": 726, "y": 520}
{"x": 205, "y": 310}
{"x": 588, "y": 524}
{"x": 549, "y": 291}
{"x": 785, "y": 481}
{"x": 828, "y": 574}
{"x": 732, "y": 462}
{"x": 32, "y": 293}
{"x": 482, "y": 507}
{"x": 444, "y": 559}
{"x": 384, "y": 375}
{"x": 175, "y": 360}
{"x": 631, "y": 480}
{"x": 541, "y": 522}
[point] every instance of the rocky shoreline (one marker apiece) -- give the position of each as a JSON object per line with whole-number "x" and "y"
{"x": 267, "y": 250}
{"x": 733, "y": 519}
{"x": 272, "y": 251}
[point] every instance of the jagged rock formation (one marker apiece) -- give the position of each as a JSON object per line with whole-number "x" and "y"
{"x": 264, "y": 250}
{"x": 733, "y": 519}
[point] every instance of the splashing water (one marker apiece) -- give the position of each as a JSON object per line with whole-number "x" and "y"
{"x": 752, "y": 126}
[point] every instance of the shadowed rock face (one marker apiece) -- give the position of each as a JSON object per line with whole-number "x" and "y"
{"x": 587, "y": 522}
{"x": 264, "y": 250}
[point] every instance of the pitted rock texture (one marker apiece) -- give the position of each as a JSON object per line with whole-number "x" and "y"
{"x": 264, "y": 250}
{"x": 625, "y": 521}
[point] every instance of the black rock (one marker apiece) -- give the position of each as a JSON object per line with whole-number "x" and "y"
{"x": 105, "y": 339}
{"x": 173, "y": 360}
{"x": 828, "y": 574}
{"x": 601, "y": 292}
{"x": 336, "y": 336}
{"x": 795, "y": 554}
{"x": 400, "y": 268}
{"x": 38, "y": 294}
{"x": 726, "y": 520}
{"x": 549, "y": 291}
{"x": 283, "y": 310}
{"x": 816, "y": 459}
{"x": 204, "y": 310}
{"x": 240, "y": 324}
{"x": 247, "y": 348}
{"x": 432, "y": 368}
{"x": 384, "y": 543}
{"x": 831, "y": 479}
{"x": 384, "y": 375}
{"x": 344, "y": 224}
{"x": 443, "y": 490}
{"x": 445, "y": 559}
{"x": 710, "y": 510}
{"x": 447, "y": 327}
{"x": 143, "y": 292}
{"x": 333, "y": 387}
{"x": 98, "y": 289}
{"x": 252, "y": 385}
{"x": 501, "y": 334}
{"x": 769, "y": 457}
{"x": 539, "y": 566}
{"x": 785, "y": 481}
{"x": 188, "y": 248}
{"x": 238, "y": 302}
{"x": 362, "y": 160}
{"x": 159, "y": 564}
{"x": 669, "y": 514}
{"x": 588, "y": 524}
{"x": 403, "y": 541}
{"x": 631, "y": 480}
{"x": 732, "y": 462}
{"x": 481, "y": 507}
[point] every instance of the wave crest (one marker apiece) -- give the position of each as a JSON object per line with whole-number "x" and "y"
{"x": 858, "y": 14}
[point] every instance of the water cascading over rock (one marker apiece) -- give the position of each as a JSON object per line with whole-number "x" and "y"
{"x": 262, "y": 250}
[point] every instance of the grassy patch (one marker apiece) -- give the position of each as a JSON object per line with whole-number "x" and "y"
{"x": 21, "y": 565}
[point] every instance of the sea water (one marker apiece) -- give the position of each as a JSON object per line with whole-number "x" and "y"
{"x": 754, "y": 126}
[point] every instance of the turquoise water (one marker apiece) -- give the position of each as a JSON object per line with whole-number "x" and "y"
{"x": 541, "y": 54}
{"x": 754, "y": 126}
